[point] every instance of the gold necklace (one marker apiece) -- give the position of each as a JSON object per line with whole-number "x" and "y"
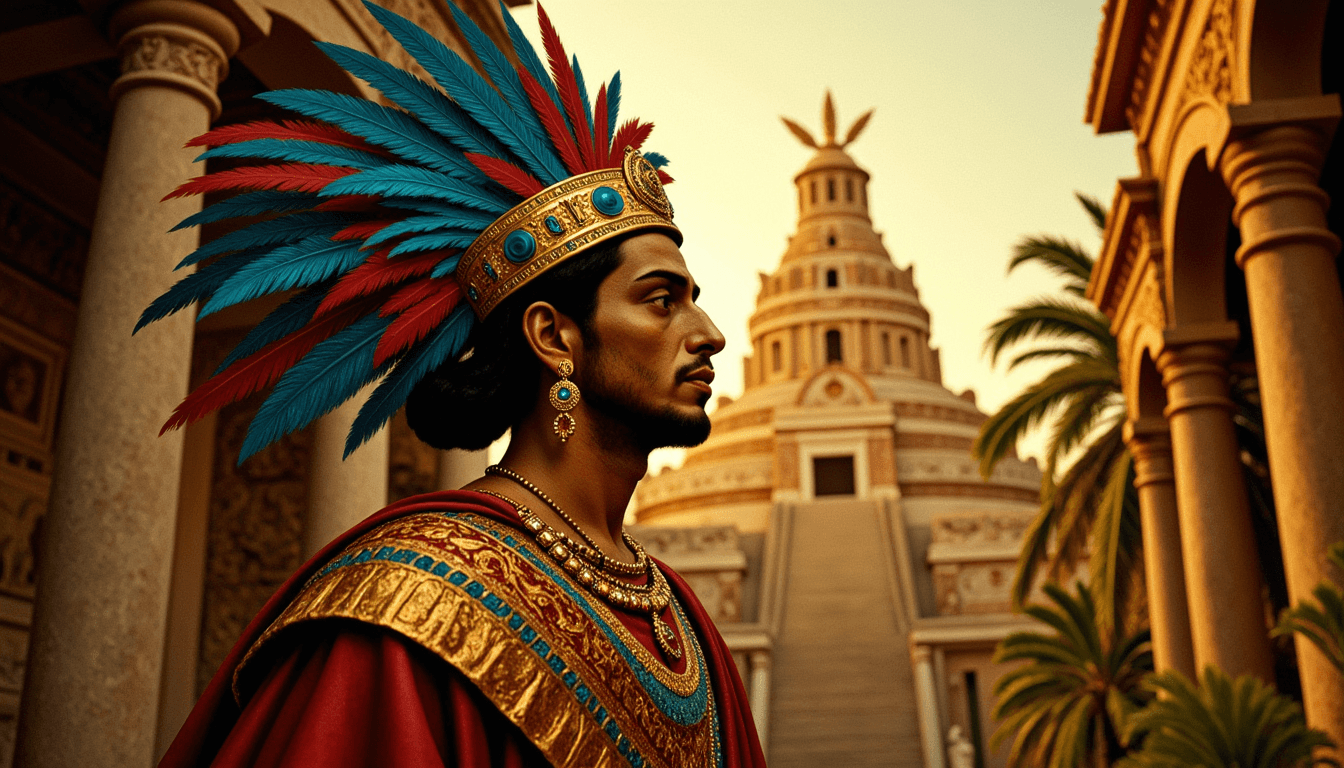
{"x": 592, "y": 553}
{"x": 651, "y": 598}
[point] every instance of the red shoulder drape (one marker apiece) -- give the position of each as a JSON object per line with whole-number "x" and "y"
{"x": 345, "y": 694}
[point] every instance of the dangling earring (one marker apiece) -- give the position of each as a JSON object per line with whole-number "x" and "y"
{"x": 564, "y": 396}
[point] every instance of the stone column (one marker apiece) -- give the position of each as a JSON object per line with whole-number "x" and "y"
{"x": 457, "y": 468}
{"x": 759, "y": 662}
{"x": 92, "y": 692}
{"x": 926, "y": 701}
{"x": 1297, "y": 317}
{"x": 343, "y": 492}
{"x": 1149, "y": 440}
{"x": 1222, "y": 568}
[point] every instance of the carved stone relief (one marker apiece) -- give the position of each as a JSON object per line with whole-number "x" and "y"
{"x": 973, "y": 560}
{"x": 160, "y": 53}
{"x": 1210, "y": 72}
{"x": 709, "y": 558}
{"x": 255, "y": 530}
{"x": 40, "y": 243}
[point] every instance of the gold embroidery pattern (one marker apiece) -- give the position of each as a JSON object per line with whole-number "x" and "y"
{"x": 469, "y": 597}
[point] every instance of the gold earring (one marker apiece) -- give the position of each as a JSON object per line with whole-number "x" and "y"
{"x": 564, "y": 396}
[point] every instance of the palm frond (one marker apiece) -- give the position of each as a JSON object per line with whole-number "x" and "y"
{"x": 1058, "y": 255}
{"x": 1047, "y": 317}
{"x": 1095, "y": 210}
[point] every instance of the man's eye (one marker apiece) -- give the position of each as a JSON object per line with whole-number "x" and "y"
{"x": 663, "y": 301}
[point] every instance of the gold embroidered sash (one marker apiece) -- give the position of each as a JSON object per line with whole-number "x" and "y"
{"x": 552, "y": 659}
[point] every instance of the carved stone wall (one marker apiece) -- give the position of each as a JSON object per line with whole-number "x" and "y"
{"x": 973, "y": 559}
{"x": 255, "y": 530}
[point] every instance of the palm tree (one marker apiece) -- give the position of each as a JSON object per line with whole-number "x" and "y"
{"x": 1065, "y": 705}
{"x": 1093, "y": 506}
{"x": 1223, "y": 723}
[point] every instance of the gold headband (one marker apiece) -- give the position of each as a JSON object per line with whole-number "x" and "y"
{"x": 561, "y": 221}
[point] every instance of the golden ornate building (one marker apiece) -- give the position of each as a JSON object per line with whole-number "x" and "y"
{"x": 1220, "y": 258}
{"x": 872, "y": 562}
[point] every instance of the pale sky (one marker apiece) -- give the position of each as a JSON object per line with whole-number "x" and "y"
{"x": 978, "y": 139}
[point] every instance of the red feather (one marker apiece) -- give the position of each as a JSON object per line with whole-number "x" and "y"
{"x": 550, "y": 116}
{"x": 663, "y": 177}
{"x": 302, "y": 130}
{"x": 364, "y": 229}
{"x": 632, "y": 134}
{"x": 291, "y": 177}
{"x": 423, "y": 305}
{"x": 377, "y": 272}
{"x": 568, "y": 86}
{"x": 264, "y": 367}
{"x": 601, "y": 151}
{"x": 509, "y": 175}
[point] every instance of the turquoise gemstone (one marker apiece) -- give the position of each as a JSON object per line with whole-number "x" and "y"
{"x": 489, "y": 270}
{"x": 519, "y": 246}
{"x": 471, "y": 291}
{"x": 608, "y": 201}
{"x": 563, "y": 394}
{"x": 553, "y": 225}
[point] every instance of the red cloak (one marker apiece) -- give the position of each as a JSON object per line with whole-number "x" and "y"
{"x": 348, "y": 694}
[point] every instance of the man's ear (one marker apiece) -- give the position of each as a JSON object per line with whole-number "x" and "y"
{"x": 552, "y": 335}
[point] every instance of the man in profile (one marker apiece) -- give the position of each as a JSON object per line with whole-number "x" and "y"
{"x": 501, "y": 260}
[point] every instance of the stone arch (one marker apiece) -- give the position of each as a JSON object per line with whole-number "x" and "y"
{"x": 835, "y": 385}
{"x": 1198, "y": 211}
{"x": 1145, "y": 395}
{"x": 287, "y": 58}
{"x": 1283, "y": 57}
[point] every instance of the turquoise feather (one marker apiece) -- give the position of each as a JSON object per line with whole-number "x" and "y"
{"x": 469, "y": 222}
{"x": 430, "y": 105}
{"x": 285, "y": 229}
{"x": 473, "y": 94}
{"x": 583, "y": 93}
{"x": 333, "y": 372}
{"x": 197, "y": 286}
{"x": 315, "y": 152}
{"x": 382, "y": 126}
{"x": 461, "y": 238}
{"x": 501, "y": 72}
{"x": 444, "y": 342}
{"x": 446, "y": 267}
{"x": 613, "y": 104}
{"x": 282, "y": 321}
{"x": 293, "y": 266}
{"x": 656, "y": 159}
{"x": 409, "y": 181}
{"x": 250, "y": 204}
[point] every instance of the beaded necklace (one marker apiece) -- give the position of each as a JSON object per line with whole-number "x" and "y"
{"x": 652, "y": 597}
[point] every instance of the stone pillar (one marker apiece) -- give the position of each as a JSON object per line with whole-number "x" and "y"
{"x": 759, "y": 662}
{"x": 343, "y": 492}
{"x": 926, "y": 701}
{"x": 1149, "y": 441}
{"x": 1222, "y": 568}
{"x": 1297, "y": 317}
{"x": 92, "y": 693}
{"x": 457, "y": 468}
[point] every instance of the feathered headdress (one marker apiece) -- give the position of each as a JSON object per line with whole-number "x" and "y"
{"x": 399, "y": 228}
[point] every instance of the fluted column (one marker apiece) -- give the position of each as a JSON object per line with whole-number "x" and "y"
{"x": 1297, "y": 321}
{"x": 1149, "y": 441}
{"x": 759, "y": 663}
{"x": 341, "y": 492}
{"x": 1222, "y": 568}
{"x": 457, "y": 468}
{"x": 92, "y": 691}
{"x": 926, "y": 702}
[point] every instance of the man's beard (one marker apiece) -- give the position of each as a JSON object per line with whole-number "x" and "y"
{"x": 647, "y": 427}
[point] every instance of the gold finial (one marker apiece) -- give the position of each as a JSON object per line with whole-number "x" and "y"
{"x": 828, "y": 126}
